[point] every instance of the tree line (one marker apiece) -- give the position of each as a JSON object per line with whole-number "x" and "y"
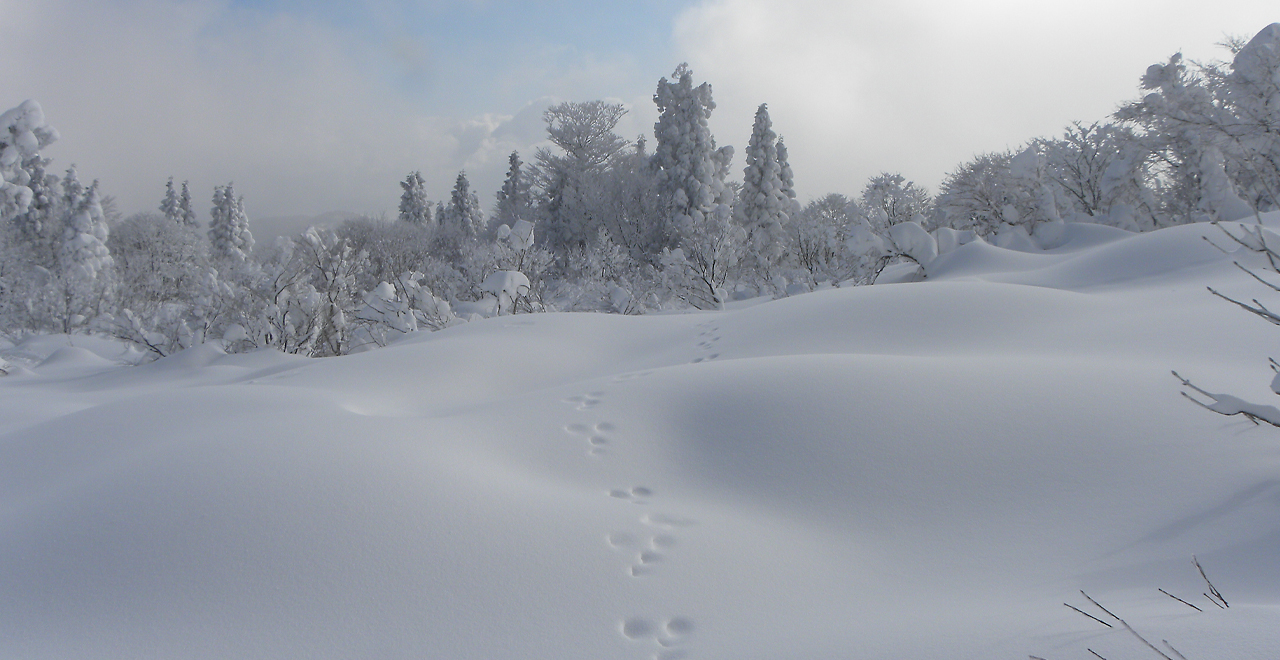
{"x": 598, "y": 222}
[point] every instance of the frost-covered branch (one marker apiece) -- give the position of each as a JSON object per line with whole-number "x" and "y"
{"x": 1226, "y": 404}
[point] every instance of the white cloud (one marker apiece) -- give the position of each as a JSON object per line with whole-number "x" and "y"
{"x": 304, "y": 117}
{"x": 919, "y": 86}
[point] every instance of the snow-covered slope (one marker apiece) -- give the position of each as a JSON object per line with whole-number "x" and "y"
{"x": 922, "y": 470}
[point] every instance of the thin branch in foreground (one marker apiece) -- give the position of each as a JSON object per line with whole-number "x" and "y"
{"x": 1225, "y": 404}
{"x": 1130, "y": 629}
{"x": 1180, "y": 600}
{"x": 1089, "y": 615}
{"x": 1099, "y": 606}
{"x": 1095, "y": 654}
{"x": 1173, "y": 650}
{"x": 1257, "y": 309}
{"x": 1213, "y": 590}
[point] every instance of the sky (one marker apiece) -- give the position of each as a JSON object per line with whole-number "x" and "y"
{"x": 319, "y": 106}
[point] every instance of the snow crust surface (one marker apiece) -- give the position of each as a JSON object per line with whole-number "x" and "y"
{"x": 916, "y": 470}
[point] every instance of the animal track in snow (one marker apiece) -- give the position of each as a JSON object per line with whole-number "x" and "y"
{"x": 597, "y": 438}
{"x": 674, "y": 632}
{"x": 635, "y": 495}
{"x": 619, "y": 540}
{"x": 584, "y": 401}
{"x": 663, "y": 542}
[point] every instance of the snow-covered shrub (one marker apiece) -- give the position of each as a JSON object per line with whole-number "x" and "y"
{"x": 396, "y": 309}
{"x": 818, "y": 236}
{"x": 510, "y": 288}
{"x": 157, "y": 259}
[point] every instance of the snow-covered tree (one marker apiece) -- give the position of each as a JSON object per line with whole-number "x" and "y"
{"x": 764, "y": 207}
{"x": 568, "y": 177}
{"x": 184, "y": 207}
{"x": 691, "y": 170}
{"x": 84, "y": 254}
{"x": 462, "y": 222}
{"x": 415, "y": 209}
{"x": 514, "y": 201}
{"x": 229, "y": 235}
{"x": 889, "y": 198}
{"x": 1211, "y": 130}
{"x": 1101, "y": 174}
{"x": 157, "y": 260}
{"x": 691, "y": 183}
{"x": 982, "y": 195}
{"x": 818, "y": 236}
{"x": 35, "y": 231}
{"x": 170, "y": 206}
{"x": 23, "y": 133}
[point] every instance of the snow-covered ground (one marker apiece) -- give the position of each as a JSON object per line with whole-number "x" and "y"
{"x": 919, "y": 470}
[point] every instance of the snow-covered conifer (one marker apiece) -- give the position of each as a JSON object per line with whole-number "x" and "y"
{"x": 38, "y": 228}
{"x": 514, "y": 202}
{"x": 170, "y": 206}
{"x": 229, "y": 236}
{"x": 463, "y": 220}
{"x": 691, "y": 173}
{"x": 414, "y": 207}
{"x": 83, "y": 254}
{"x": 764, "y": 208}
{"x": 690, "y": 167}
{"x": 184, "y": 207}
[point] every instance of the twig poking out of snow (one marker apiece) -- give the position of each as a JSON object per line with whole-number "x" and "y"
{"x": 1213, "y": 590}
{"x": 1088, "y": 615}
{"x": 1225, "y": 404}
{"x": 1129, "y": 628}
{"x": 1173, "y": 650}
{"x": 1179, "y": 600}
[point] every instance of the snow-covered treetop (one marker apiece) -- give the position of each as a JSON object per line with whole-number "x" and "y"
{"x": 690, "y": 167}
{"x": 23, "y": 133}
{"x": 585, "y": 131}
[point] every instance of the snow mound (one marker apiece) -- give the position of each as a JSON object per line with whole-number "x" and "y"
{"x": 73, "y": 357}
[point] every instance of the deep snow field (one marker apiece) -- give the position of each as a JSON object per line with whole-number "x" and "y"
{"x": 914, "y": 470}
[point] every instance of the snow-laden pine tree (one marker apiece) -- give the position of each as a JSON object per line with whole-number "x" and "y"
{"x": 514, "y": 202}
{"x": 691, "y": 170}
{"x": 185, "y": 209}
{"x": 786, "y": 175}
{"x": 415, "y": 209}
{"x": 72, "y": 190}
{"x": 570, "y": 177}
{"x": 170, "y": 206}
{"x": 83, "y": 253}
{"x": 691, "y": 173}
{"x": 36, "y": 231}
{"x": 764, "y": 208}
{"x": 229, "y": 236}
{"x": 463, "y": 221}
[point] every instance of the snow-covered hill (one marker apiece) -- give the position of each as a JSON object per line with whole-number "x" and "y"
{"x": 922, "y": 470}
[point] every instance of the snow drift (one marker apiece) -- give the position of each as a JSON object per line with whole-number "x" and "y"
{"x": 916, "y": 470}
